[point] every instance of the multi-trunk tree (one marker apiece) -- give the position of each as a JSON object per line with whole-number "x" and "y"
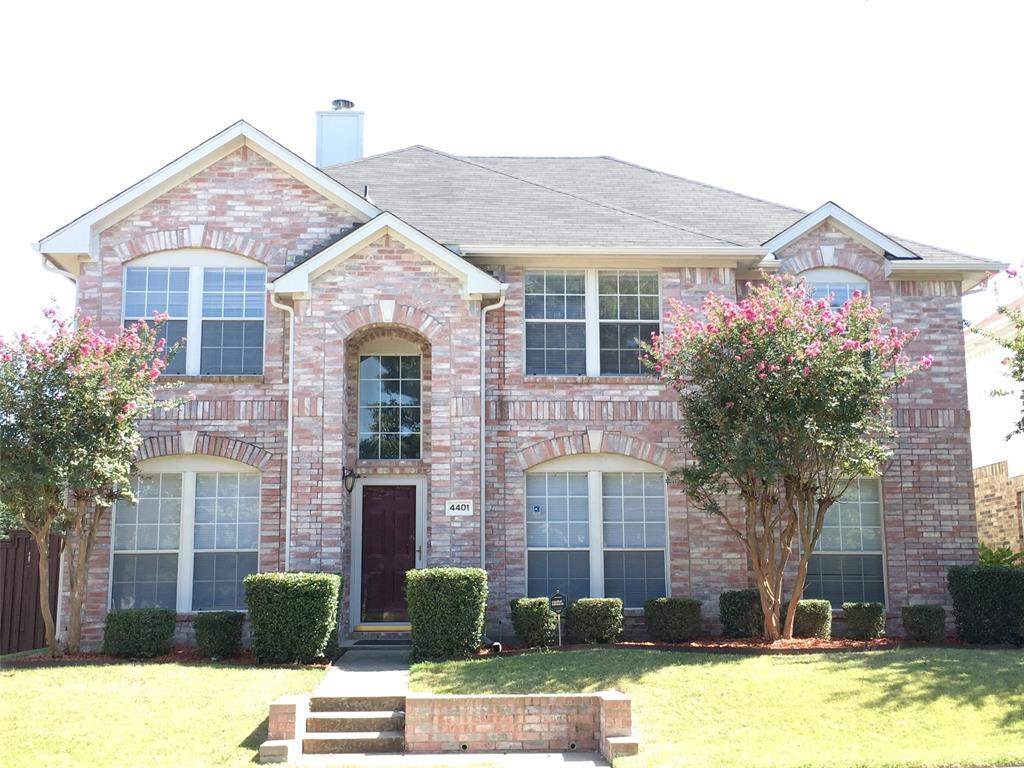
{"x": 785, "y": 401}
{"x": 69, "y": 404}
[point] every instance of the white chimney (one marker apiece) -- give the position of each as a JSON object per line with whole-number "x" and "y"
{"x": 339, "y": 134}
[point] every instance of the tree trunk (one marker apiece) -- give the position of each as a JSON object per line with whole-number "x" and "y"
{"x": 85, "y": 532}
{"x": 43, "y": 546}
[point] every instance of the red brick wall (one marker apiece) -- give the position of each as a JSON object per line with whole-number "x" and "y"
{"x": 1000, "y": 521}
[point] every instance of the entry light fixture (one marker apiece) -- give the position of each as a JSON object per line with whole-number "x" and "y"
{"x": 349, "y": 477}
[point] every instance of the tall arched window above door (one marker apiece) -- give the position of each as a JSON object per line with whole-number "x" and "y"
{"x": 837, "y": 283}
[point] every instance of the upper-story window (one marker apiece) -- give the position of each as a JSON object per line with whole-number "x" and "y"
{"x": 216, "y": 305}
{"x": 589, "y": 322}
{"x": 837, "y": 283}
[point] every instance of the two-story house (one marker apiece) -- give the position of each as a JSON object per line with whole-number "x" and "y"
{"x": 419, "y": 358}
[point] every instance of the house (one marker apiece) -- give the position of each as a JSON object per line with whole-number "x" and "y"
{"x": 998, "y": 462}
{"x": 420, "y": 358}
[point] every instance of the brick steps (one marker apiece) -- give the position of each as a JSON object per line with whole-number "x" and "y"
{"x": 353, "y": 741}
{"x": 356, "y": 703}
{"x": 359, "y": 723}
{"x": 348, "y": 722}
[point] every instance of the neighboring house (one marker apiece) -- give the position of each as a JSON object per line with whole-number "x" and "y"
{"x": 998, "y": 462}
{"x": 342, "y": 324}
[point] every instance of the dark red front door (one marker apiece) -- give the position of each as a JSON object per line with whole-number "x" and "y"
{"x": 389, "y": 550}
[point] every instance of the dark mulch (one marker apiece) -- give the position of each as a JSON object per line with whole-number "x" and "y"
{"x": 178, "y": 654}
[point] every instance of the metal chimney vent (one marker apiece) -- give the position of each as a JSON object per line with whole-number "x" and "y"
{"x": 340, "y": 104}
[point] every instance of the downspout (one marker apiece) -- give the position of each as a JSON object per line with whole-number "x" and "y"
{"x": 483, "y": 421}
{"x": 288, "y": 448}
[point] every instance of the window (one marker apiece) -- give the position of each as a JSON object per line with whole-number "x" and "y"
{"x": 837, "y": 283}
{"x": 390, "y": 407}
{"x": 596, "y": 533}
{"x": 589, "y": 322}
{"x": 847, "y": 565}
{"x": 190, "y": 539}
{"x": 218, "y": 307}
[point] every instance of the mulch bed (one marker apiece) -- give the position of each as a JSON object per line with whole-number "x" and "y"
{"x": 178, "y": 654}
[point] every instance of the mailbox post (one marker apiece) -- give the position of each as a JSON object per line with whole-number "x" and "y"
{"x": 557, "y": 604}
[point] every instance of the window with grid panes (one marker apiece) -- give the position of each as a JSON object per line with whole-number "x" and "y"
{"x": 629, "y": 306}
{"x": 146, "y": 544}
{"x": 557, "y": 534}
{"x": 159, "y": 289}
{"x": 555, "y": 322}
{"x": 233, "y": 307}
{"x": 226, "y": 538}
{"x": 633, "y": 515}
{"x": 837, "y": 285}
{"x": 390, "y": 407}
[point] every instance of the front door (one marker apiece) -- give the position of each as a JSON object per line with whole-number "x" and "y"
{"x": 389, "y": 550}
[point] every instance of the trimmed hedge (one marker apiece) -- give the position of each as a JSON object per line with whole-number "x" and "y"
{"x": 864, "y": 621}
{"x": 138, "y": 633}
{"x": 594, "y": 620}
{"x": 672, "y": 619}
{"x": 534, "y": 622}
{"x": 924, "y": 623}
{"x": 292, "y": 615}
{"x": 740, "y": 611}
{"x": 219, "y": 633}
{"x": 813, "y": 619}
{"x": 988, "y": 602}
{"x": 446, "y": 610}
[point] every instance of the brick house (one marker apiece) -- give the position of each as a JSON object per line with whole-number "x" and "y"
{"x": 418, "y": 358}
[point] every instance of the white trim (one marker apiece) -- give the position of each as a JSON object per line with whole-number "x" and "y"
{"x": 356, "y": 559}
{"x": 474, "y": 280}
{"x": 80, "y": 236}
{"x": 596, "y": 462}
{"x": 863, "y": 231}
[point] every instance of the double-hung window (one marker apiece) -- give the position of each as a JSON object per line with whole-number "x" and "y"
{"x": 848, "y": 562}
{"x": 190, "y": 539}
{"x": 597, "y": 533}
{"x": 216, "y": 307}
{"x": 589, "y": 322}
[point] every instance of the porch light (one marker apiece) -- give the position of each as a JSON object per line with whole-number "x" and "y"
{"x": 349, "y": 477}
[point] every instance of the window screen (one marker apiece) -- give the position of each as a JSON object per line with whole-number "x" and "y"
{"x": 225, "y": 538}
{"x": 557, "y": 534}
{"x": 146, "y": 540}
{"x": 234, "y": 300}
{"x": 556, "y": 337}
{"x": 628, "y": 310}
{"x": 159, "y": 289}
{"x": 633, "y": 518}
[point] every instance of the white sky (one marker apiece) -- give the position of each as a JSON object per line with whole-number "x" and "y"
{"x": 908, "y": 114}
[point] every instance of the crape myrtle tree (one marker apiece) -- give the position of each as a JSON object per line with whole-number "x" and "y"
{"x": 785, "y": 401}
{"x": 1013, "y": 343}
{"x": 69, "y": 404}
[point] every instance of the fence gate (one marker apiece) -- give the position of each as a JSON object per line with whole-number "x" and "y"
{"x": 21, "y": 622}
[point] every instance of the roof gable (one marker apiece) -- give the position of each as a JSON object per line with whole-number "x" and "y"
{"x": 865, "y": 233}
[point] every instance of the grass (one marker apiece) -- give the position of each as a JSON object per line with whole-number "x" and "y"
{"x": 167, "y": 714}
{"x": 908, "y": 707}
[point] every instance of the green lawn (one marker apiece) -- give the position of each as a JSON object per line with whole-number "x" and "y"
{"x": 911, "y": 707}
{"x": 173, "y": 715}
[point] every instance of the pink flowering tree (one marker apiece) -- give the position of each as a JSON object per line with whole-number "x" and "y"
{"x": 69, "y": 404}
{"x": 785, "y": 401}
{"x": 1013, "y": 342}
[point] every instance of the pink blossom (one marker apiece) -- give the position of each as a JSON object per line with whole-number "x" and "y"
{"x": 1011, "y": 272}
{"x": 729, "y": 404}
{"x": 926, "y": 361}
{"x": 806, "y": 371}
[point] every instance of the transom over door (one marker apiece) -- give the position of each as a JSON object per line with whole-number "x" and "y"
{"x": 389, "y": 550}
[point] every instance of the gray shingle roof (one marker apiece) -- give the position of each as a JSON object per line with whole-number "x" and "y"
{"x": 567, "y": 201}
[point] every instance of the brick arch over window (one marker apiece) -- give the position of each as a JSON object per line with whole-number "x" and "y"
{"x": 846, "y": 253}
{"x": 594, "y": 441}
{"x": 198, "y": 236}
{"x": 206, "y": 445}
{"x": 384, "y": 314}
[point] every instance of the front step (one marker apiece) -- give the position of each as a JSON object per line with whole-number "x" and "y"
{"x": 356, "y": 703}
{"x": 343, "y": 743}
{"x": 356, "y": 722}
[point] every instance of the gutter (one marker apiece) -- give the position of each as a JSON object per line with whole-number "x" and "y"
{"x": 483, "y": 420}
{"x": 288, "y": 449}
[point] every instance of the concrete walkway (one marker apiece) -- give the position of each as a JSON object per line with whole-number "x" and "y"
{"x": 362, "y": 671}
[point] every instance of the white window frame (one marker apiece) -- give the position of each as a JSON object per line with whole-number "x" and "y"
{"x": 829, "y": 277}
{"x": 595, "y": 465}
{"x": 591, "y": 319}
{"x": 376, "y": 351}
{"x": 197, "y": 260}
{"x": 188, "y": 467}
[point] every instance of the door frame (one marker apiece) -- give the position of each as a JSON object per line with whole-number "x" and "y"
{"x": 356, "y": 570}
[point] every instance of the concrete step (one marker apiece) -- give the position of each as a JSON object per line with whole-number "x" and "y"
{"x": 359, "y": 722}
{"x": 356, "y": 703}
{"x": 356, "y": 741}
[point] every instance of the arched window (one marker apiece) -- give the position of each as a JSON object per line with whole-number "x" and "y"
{"x": 840, "y": 284}
{"x": 215, "y": 300}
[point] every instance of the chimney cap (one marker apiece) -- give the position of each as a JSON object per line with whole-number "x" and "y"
{"x": 339, "y": 104}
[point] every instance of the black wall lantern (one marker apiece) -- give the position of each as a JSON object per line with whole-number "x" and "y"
{"x": 349, "y": 477}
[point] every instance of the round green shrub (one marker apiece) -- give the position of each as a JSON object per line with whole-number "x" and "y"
{"x": 740, "y": 612}
{"x": 864, "y": 621}
{"x": 138, "y": 633}
{"x": 446, "y": 611}
{"x": 813, "y": 619}
{"x": 988, "y": 602}
{"x": 292, "y": 616}
{"x": 924, "y": 623}
{"x": 594, "y": 620}
{"x": 672, "y": 619}
{"x": 534, "y": 622}
{"x": 219, "y": 633}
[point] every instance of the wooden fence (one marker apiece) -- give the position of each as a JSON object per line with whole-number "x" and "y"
{"x": 21, "y": 622}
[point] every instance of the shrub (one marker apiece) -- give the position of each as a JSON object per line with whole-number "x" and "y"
{"x": 813, "y": 619}
{"x": 740, "y": 611}
{"x": 672, "y": 619}
{"x": 925, "y": 623}
{"x": 138, "y": 633}
{"x": 594, "y": 620}
{"x": 534, "y": 622}
{"x": 999, "y": 555}
{"x": 292, "y": 615}
{"x": 988, "y": 602}
{"x": 219, "y": 633}
{"x": 446, "y": 610}
{"x": 864, "y": 621}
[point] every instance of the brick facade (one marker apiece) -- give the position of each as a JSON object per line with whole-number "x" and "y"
{"x": 1000, "y": 506}
{"x": 244, "y": 204}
